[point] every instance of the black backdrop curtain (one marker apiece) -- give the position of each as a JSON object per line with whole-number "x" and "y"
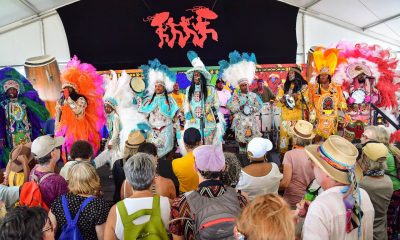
{"x": 113, "y": 35}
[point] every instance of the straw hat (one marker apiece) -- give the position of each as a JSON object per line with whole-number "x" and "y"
{"x": 19, "y": 150}
{"x": 303, "y": 129}
{"x": 335, "y": 156}
{"x": 135, "y": 138}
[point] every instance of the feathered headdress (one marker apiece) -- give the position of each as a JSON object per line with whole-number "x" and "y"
{"x": 115, "y": 88}
{"x": 326, "y": 60}
{"x": 155, "y": 72}
{"x": 381, "y": 64}
{"x": 376, "y": 62}
{"x": 119, "y": 95}
{"x": 239, "y": 69}
{"x": 84, "y": 79}
{"x": 11, "y": 79}
{"x": 198, "y": 66}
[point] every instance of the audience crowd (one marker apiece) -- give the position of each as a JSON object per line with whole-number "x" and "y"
{"x": 332, "y": 189}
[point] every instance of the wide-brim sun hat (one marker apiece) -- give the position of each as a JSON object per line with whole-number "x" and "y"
{"x": 335, "y": 157}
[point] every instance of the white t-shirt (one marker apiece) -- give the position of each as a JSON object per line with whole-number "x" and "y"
{"x": 326, "y": 217}
{"x": 135, "y": 204}
{"x": 255, "y": 186}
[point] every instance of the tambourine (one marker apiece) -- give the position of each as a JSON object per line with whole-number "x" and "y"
{"x": 247, "y": 110}
{"x": 137, "y": 84}
{"x": 289, "y": 102}
{"x": 358, "y": 96}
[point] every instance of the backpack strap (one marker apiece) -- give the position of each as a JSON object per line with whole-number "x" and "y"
{"x": 156, "y": 209}
{"x": 44, "y": 177}
{"x": 127, "y": 220}
{"x": 68, "y": 214}
{"x": 39, "y": 180}
{"x": 33, "y": 176}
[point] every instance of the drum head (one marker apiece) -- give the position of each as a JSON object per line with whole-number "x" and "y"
{"x": 137, "y": 84}
{"x": 39, "y": 61}
{"x": 358, "y": 96}
{"x": 290, "y": 103}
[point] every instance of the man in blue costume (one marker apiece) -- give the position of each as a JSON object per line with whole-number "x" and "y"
{"x": 201, "y": 106}
{"x": 160, "y": 109}
{"x": 22, "y": 113}
{"x": 244, "y": 105}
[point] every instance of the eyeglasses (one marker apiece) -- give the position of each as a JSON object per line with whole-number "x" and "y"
{"x": 50, "y": 228}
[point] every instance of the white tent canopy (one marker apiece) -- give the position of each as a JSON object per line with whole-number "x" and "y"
{"x": 14, "y": 11}
{"x": 32, "y": 27}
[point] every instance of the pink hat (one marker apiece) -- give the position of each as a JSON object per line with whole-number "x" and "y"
{"x": 209, "y": 158}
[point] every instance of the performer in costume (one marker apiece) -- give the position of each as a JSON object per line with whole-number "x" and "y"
{"x": 264, "y": 92}
{"x": 240, "y": 72}
{"x": 122, "y": 116}
{"x": 367, "y": 77}
{"x": 326, "y": 97}
{"x": 160, "y": 109}
{"x": 22, "y": 113}
{"x": 80, "y": 111}
{"x": 223, "y": 97}
{"x": 274, "y": 82}
{"x": 292, "y": 98}
{"x": 201, "y": 106}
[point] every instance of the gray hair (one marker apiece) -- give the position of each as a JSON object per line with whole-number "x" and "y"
{"x": 231, "y": 174}
{"x": 374, "y": 132}
{"x": 140, "y": 171}
{"x": 369, "y": 164}
{"x": 301, "y": 142}
{"x": 382, "y": 135}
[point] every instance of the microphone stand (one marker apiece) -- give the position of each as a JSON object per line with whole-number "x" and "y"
{"x": 303, "y": 101}
{"x": 202, "y": 122}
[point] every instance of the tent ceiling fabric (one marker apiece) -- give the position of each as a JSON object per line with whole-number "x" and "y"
{"x": 358, "y": 14}
{"x": 15, "y": 10}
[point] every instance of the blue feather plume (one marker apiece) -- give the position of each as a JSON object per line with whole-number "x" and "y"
{"x": 191, "y": 55}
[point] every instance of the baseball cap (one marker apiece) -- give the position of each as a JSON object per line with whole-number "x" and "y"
{"x": 209, "y": 158}
{"x": 258, "y": 147}
{"x": 375, "y": 151}
{"x": 43, "y": 145}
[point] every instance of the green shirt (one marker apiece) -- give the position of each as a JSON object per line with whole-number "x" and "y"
{"x": 391, "y": 169}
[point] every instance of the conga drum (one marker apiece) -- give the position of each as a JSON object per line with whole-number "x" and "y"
{"x": 276, "y": 112}
{"x": 264, "y": 118}
{"x": 44, "y": 74}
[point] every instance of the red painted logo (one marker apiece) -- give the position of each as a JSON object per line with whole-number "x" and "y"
{"x": 194, "y": 27}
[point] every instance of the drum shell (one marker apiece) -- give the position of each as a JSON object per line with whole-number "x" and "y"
{"x": 265, "y": 121}
{"x": 44, "y": 74}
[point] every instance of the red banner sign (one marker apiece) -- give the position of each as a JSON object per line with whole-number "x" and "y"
{"x": 194, "y": 28}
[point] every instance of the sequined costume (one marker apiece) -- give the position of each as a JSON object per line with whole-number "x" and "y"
{"x": 22, "y": 115}
{"x": 325, "y": 103}
{"x": 202, "y": 103}
{"x": 240, "y": 72}
{"x": 160, "y": 109}
{"x": 291, "y": 114}
{"x": 245, "y": 123}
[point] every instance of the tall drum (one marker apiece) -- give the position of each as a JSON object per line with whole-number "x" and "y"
{"x": 44, "y": 74}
